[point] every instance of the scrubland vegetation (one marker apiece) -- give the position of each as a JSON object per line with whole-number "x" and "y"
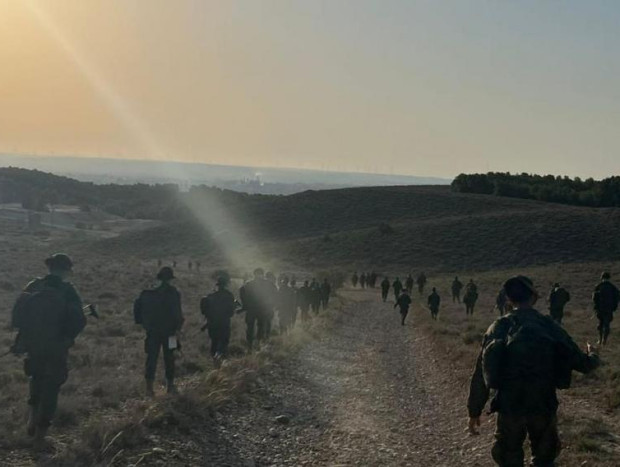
{"x": 104, "y": 419}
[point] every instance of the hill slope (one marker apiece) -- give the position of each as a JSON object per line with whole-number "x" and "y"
{"x": 424, "y": 227}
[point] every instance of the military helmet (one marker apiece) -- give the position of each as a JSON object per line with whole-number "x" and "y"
{"x": 165, "y": 274}
{"x": 259, "y": 272}
{"x": 519, "y": 289}
{"x": 222, "y": 281}
{"x": 556, "y": 285}
{"x": 606, "y": 275}
{"x": 59, "y": 261}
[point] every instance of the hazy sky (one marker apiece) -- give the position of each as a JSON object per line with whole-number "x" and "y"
{"x": 416, "y": 87}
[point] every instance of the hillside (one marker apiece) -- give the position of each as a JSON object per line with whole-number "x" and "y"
{"x": 424, "y": 227}
{"x": 428, "y": 227}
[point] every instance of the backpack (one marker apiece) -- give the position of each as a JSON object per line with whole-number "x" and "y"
{"x": 152, "y": 310}
{"x": 39, "y": 315}
{"x": 524, "y": 350}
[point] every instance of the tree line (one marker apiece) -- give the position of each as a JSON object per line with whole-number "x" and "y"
{"x": 551, "y": 188}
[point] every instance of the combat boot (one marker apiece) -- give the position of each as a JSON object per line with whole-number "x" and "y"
{"x": 171, "y": 388}
{"x": 150, "y": 392}
{"x": 40, "y": 443}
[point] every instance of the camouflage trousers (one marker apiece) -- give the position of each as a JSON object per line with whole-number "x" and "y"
{"x": 258, "y": 326}
{"x": 557, "y": 313}
{"x": 47, "y": 373}
{"x": 220, "y": 338}
{"x": 510, "y": 435}
{"x": 153, "y": 344}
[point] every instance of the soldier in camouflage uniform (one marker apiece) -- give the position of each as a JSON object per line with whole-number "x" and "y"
{"x": 409, "y": 283}
{"x": 218, "y": 308}
{"x": 558, "y": 298}
{"x": 433, "y": 303}
{"x": 525, "y": 357}
{"x": 457, "y": 286}
{"x": 258, "y": 299}
{"x": 48, "y": 316}
{"x": 397, "y": 285}
{"x": 605, "y": 299}
{"x": 403, "y": 302}
{"x": 385, "y": 288}
{"x": 159, "y": 312}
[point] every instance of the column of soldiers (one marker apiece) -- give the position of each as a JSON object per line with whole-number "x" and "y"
{"x": 402, "y": 294}
{"x": 49, "y": 316}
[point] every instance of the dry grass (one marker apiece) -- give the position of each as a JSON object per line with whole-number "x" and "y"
{"x": 102, "y": 412}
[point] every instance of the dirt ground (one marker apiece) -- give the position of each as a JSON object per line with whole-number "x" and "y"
{"x": 370, "y": 392}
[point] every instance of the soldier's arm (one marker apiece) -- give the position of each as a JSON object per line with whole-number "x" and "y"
{"x": 75, "y": 319}
{"x": 478, "y": 391}
{"x": 570, "y": 351}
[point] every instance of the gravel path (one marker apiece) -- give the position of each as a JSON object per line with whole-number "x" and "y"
{"x": 368, "y": 393}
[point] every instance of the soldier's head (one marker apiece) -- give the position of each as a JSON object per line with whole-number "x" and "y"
{"x": 306, "y": 283}
{"x": 520, "y": 291}
{"x": 456, "y": 278}
{"x": 271, "y": 277}
{"x": 259, "y": 273}
{"x": 222, "y": 282}
{"x": 605, "y": 276}
{"x": 556, "y": 285}
{"x": 293, "y": 282}
{"x": 165, "y": 274}
{"x": 284, "y": 280}
{"x": 434, "y": 289}
{"x": 59, "y": 264}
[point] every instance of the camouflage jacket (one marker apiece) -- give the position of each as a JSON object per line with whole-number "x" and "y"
{"x": 520, "y": 397}
{"x": 69, "y": 323}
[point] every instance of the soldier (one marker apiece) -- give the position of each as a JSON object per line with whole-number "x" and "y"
{"x": 558, "y": 298}
{"x": 409, "y": 284}
{"x": 293, "y": 285}
{"x": 363, "y": 280}
{"x": 433, "y": 303}
{"x": 501, "y": 302}
{"x": 524, "y": 370}
{"x": 270, "y": 312}
{"x": 354, "y": 279}
{"x": 159, "y": 312}
{"x": 315, "y": 297}
{"x": 159, "y": 263}
{"x": 403, "y": 302}
{"x": 385, "y": 288}
{"x": 48, "y": 316}
{"x": 421, "y": 281}
{"x": 257, "y": 298}
{"x": 605, "y": 299}
{"x": 326, "y": 290}
{"x": 304, "y": 297}
{"x": 457, "y": 286}
{"x": 198, "y": 266}
{"x": 189, "y": 265}
{"x": 397, "y": 286}
{"x": 471, "y": 297}
{"x": 218, "y": 308}
{"x": 174, "y": 264}
{"x": 373, "y": 279}
{"x": 287, "y": 305}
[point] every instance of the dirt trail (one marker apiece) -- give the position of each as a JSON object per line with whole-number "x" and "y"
{"x": 369, "y": 392}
